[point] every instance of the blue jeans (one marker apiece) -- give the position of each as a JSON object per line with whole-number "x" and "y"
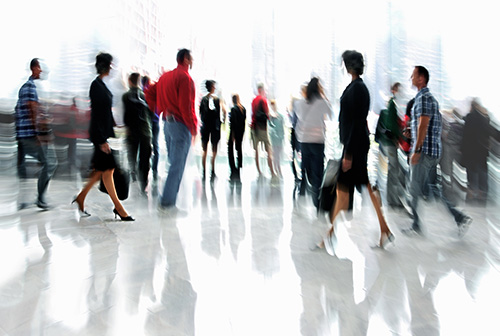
{"x": 424, "y": 174}
{"x": 45, "y": 154}
{"x": 178, "y": 140}
{"x": 313, "y": 161}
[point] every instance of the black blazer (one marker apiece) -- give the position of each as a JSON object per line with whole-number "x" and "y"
{"x": 354, "y": 107}
{"x": 101, "y": 117}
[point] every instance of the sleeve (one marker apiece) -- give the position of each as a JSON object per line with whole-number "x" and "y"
{"x": 97, "y": 116}
{"x": 126, "y": 110}
{"x": 186, "y": 103}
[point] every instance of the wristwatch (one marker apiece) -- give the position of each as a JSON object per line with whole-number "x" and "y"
{"x": 418, "y": 150}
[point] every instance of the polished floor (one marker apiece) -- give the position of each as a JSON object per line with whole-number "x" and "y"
{"x": 239, "y": 262}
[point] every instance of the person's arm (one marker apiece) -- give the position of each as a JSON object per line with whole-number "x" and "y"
{"x": 423, "y": 124}
{"x": 150, "y": 94}
{"x": 186, "y": 103}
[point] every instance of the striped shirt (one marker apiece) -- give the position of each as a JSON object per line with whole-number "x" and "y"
{"x": 427, "y": 105}
{"x": 24, "y": 125}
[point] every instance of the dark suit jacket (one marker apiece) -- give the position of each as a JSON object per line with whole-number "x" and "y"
{"x": 101, "y": 117}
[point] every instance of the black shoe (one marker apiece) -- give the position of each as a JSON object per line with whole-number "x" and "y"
{"x": 212, "y": 176}
{"x": 413, "y": 231}
{"x": 125, "y": 219}
{"x": 463, "y": 226}
{"x": 83, "y": 212}
{"x": 42, "y": 205}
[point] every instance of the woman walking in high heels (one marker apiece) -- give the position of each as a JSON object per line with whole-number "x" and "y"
{"x": 354, "y": 135}
{"x": 101, "y": 128}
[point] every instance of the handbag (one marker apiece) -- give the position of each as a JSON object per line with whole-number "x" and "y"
{"x": 121, "y": 178}
{"x": 327, "y": 193}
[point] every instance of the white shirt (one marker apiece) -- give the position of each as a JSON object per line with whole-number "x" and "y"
{"x": 311, "y": 120}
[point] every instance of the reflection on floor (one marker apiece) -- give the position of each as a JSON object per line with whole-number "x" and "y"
{"x": 240, "y": 263}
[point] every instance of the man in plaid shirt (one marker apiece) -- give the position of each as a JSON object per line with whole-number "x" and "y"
{"x": 426, "y": 126}
{"x": 27, "y": 110}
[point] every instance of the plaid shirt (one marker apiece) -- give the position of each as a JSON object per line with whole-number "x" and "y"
{"x": 427, "y": 105}
{"x": 24, "y": 125}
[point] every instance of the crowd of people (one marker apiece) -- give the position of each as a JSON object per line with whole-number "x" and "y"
{"x": 172, "y": 98}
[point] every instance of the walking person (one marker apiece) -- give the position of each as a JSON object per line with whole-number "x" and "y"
{"x": 311, "y": 131}
{"x": 210, "y": 126}
{"x": 426, "y": 127}
{"x": 276, "y": 136}
{"x": 173, "y": 96}
{"x": 101, "y": 128}
{"x": 137, "y": 117}
{"x": 155, "y": 131}
{"x": 354, "y": 135}
{"x": 237, "y": 123}
{"x": 31, "y": 137}
{"x": 260, "y": 117}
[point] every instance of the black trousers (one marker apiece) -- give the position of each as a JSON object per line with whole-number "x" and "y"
{"x": 138, "y": 145}
{"x": 235, "y": 141}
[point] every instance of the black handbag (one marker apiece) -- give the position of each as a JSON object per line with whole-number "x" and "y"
{"x": 121, "y": 178}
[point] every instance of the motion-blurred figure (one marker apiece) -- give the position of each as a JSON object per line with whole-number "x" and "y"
{"x": 173, "y": 95}
{"x": 276, "y": 135}
{"x": 137, "y": 118}
{"x": 300, "y": 184}
{"x": 260, "y": 117}
{"x": 210, "y": 108}
{"x": 32, "y": 136}
{"x": 155, "y": 130}
{"x": 426, "y": 126}
{"x": 311, "y": 131}
{"x": 237, "y": 118}
{"x": 389, "y": 141}
{"x": 475, "y": 148}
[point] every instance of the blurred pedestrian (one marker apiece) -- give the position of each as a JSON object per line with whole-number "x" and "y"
{"x": 354, "y": 135}
{"x": 137, "y": 118}
{"x": 155, "y": 130}
{"x": 276, "y": 136}
{"x": 310, "y": 131}
{"x": 33, "y": 137}
{"x": 173, "y": 95}
{"x": 101, "y": 128}
{"x": 210, "y": 108}
{"x": 426, "y": 126}
{"x": 237, "y": 118}
{"x": 260, "y": 117}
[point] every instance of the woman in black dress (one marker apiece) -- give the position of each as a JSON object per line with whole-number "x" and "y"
{"x": 354, "y": 135}
{"x": 101, "y": 128}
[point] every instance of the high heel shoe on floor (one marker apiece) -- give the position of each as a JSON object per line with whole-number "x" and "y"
{"x": 387, "y": 240}
{"x": 83, "y": 213}
{"x": 125, "y": 219}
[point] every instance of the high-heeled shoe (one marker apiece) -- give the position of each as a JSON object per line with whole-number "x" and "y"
{"x": 83, "y": 212}
{"x": 125, "y": 219}
{"x": 389, "y": 239}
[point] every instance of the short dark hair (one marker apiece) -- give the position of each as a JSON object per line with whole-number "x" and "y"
{"x": 209, "y": 84}
{"x": 103, "y": 62}
{"x": 145, "y": 81}
{"x": 34, "y": 63}
{"x": 353, "y": 61}
{"x": 422, "y": 71}
{"x": 235, "y": 98}
{"x": 312, "y": 91}
{"x": 181, "y": 55}
{"x": 134, "y": 78}
{"x": 395, "y": 86}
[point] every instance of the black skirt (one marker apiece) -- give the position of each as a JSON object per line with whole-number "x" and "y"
{"x": 358, "y": 174}
{"x": 102, "y": 161}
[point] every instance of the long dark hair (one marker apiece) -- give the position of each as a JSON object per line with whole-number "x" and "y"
{"x": 313, "y": 90}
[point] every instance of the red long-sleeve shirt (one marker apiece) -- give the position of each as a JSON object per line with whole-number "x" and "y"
{"x": 255, "y": 105}
{"x": 174, "y": 94}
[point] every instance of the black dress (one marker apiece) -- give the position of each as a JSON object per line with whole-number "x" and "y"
{"x": 354, "y": 133}
{"x": 101, "y": 124}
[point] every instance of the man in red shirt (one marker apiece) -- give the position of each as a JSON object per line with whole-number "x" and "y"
{"x": 260, "y": 116}
{"x": 173, "y": 96}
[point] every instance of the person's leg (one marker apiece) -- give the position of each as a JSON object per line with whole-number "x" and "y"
{"x": 255, "y": 142}
{"x": 230, "y": 153}
{"x": 305, "y": 164}
{"x": 144, "y": 161}
{"x": 421, "y": 175}
{"x": 239, "y": 152}
{"x": 132, "y": 142}
{"x": 316, "y": 170}
{"x": 21, "y": 162}
{"x": 107, "y": 179}
{"x": 341, "y": 204}
{"x": 204, "y": 146}
{"x": 48, "y": 159}
{"x": 384, "y": 229}
{"x": 269, "y": 150}
{"x": 180, "y": 141}
{"x": 483, "y": 180}
{"x": 156, "y": 149}
{"x": 392, "y": 176}
{"x": 80, "y": 199}
{"x": 215, "y": 137}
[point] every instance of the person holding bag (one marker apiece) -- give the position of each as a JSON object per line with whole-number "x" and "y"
{"x": 101, "y": 128}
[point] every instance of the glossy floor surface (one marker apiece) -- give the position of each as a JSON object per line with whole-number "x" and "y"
{"x": 239, "y": 262}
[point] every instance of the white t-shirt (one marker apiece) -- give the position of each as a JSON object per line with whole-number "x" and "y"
{"x": 311, "y": 120}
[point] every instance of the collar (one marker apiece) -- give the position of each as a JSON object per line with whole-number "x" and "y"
{"x": 423, "y": 90}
